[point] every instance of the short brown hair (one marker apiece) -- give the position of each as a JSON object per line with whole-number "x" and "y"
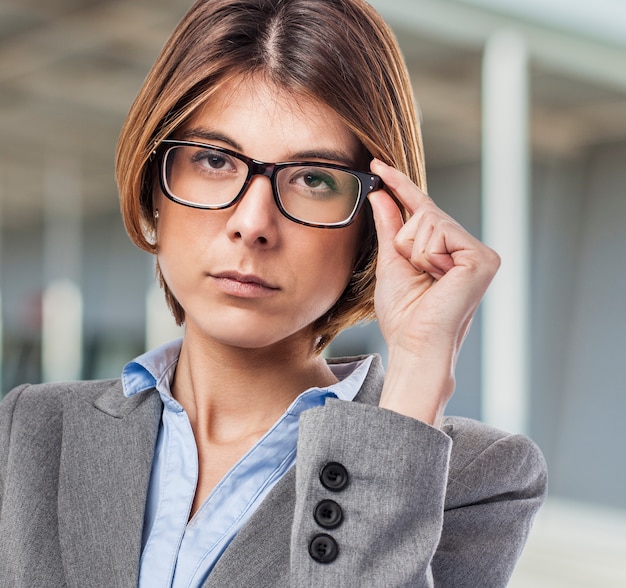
{"x": 336, "y": 52}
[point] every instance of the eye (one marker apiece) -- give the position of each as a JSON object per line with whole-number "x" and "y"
{"x": 213, "y": 160}
{"x": 314, "y": 179}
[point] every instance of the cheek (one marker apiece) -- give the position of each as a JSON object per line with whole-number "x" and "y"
{"x": 185, "y": 228}
{"x": 338, "y": 255}
{"x": 181, "y": 241}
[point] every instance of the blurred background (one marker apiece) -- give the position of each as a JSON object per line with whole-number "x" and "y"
{"x": 523, "y": 104}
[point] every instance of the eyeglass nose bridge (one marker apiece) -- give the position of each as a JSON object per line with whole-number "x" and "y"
{"x": 260, "y": 168}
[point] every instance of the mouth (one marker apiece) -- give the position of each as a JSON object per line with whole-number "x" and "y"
{"x": 243, "y": 285}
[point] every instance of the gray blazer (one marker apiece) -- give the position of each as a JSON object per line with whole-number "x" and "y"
{"x": 421, "y": 507}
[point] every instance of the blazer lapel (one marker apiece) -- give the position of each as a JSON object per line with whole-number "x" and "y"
{"x": 259, "y": 555}
{"x": 107, "y": 453}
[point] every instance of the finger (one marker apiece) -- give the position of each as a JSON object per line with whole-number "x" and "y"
{"x": 434, "y": 254}
{"x": 400, "y": 185}
{"x": 387, "y": 220}
{"x": 417, "y": 241}
{"x": 427, "y": 257}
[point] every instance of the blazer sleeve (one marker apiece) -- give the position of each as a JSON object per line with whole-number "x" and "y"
{"x": 496, "y": 485}
{"x": 7, "y": 407}
{"x": 420, "y": 507}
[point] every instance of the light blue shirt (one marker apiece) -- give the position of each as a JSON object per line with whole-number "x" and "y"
{"x": 178, "y": 552}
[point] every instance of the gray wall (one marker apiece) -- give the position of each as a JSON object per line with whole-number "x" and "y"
{"x": 587, "y": 440}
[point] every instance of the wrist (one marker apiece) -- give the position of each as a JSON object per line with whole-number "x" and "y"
{"x": 418, "y": 386}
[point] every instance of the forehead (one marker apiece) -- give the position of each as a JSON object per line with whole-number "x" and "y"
{"x": 271, "y": 123}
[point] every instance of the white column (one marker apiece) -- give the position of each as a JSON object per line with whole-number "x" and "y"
{"x": 62, "y": 328}
{"x": 506, "y": 228}
{"x": 62, "y": 308}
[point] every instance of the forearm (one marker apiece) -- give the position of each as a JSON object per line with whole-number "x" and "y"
{"x": 423, "y": 507}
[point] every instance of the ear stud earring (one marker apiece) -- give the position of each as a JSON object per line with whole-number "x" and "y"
{"x": 156, "y": 213}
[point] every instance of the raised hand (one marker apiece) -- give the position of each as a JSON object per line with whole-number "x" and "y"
{"x": 431, "y": 276}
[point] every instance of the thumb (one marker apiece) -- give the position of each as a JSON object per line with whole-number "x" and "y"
{"x": 388, "y": 221}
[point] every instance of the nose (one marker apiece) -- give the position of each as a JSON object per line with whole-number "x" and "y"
{"x": 254, "y": 219}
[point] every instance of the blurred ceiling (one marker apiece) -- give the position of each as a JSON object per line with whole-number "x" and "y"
{"x": 69, "y": 70}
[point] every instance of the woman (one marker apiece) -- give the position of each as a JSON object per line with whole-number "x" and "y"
{"x": 184, "y": 472}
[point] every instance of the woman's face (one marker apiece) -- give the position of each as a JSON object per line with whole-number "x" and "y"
{"x": 246, "y": 276}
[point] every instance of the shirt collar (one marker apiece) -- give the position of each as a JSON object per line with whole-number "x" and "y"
{"x": 155, "y": 368}
{"x": 351, "y": 376}
{"x": 151, "y": 369}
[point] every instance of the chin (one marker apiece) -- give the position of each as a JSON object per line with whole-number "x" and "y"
{"x": 251, "y": 329}
{"x": 240, "y": 333}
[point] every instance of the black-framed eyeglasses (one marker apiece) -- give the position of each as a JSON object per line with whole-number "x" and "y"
{"x": 309, "y": 193}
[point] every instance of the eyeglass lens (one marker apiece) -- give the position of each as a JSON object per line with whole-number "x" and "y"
{"x": 209, "y": 177}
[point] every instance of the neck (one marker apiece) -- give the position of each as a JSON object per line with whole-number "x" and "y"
{"x": 231, "y": 393}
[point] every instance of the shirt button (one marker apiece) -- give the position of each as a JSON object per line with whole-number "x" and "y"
{"x": 328, "y": 514}
{"x": 323, "y": 549}
{"x": 334, "y": 476}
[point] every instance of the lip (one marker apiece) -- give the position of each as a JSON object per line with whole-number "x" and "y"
{"x": 243, "y": 285}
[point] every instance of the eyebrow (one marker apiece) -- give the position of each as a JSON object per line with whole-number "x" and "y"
{"x": 337, "y": 155}
{"x": 209, "y": 135}
{"x": 326, "y": 154}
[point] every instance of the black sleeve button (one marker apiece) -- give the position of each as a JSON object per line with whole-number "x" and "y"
{"x": 323, "y": 549}
{"x": 334, "y": 476}
{"x": 328, "y": 514}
